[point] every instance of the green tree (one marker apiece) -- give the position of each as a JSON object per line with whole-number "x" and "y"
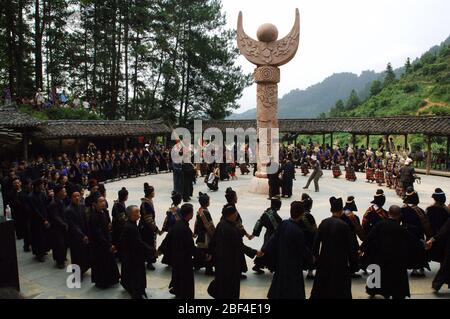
{"x": 389, "y": 75}
{"x": 352, "y": 101}
{"x": 408, "y": 66}
{"x": 375, "y": 88}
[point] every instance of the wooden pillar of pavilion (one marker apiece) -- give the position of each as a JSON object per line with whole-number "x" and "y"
{"x": 323, "y": 139}
{"x": 428, "y": 154}
{"x": 447, "y": 163}
{"x": 77, "y": 145}
{"x": 367, "y": 141}
{"x": 406, "y": 142}
{"x": 25, "y": 142}
{"x": 331, "y": 139}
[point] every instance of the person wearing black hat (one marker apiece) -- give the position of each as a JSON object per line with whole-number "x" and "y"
{"x": 270, "y": 220}
{"x": 24, "y": 198}
{"x": 351, "y": 218}
{"x": 204, "y": 231}
{"x": 335, "y": 255}
{"x": 179, "y": 241}
{"x": 416, "y": 222}
{"x": 290, "y": 254}
{"x": 133, "y": 256}
{"x": 104, "y": 267}
{"x": 78, "y": 233}
{"x": 442, "y": 238}
{"x": 39, "y": 220}
{"x": 392, "y": 241}
{"x": 288, "y": 175}
{"x": 375, "y": 213}
{"x": 232, "y": 199}
{"x": 172, "y": 216}
{"x": 437, "y": 214}
{"x": 227, "y": 249}
{"x": 147, "y": 223}
{"x": 309, "y": 226}
{"x": 59, "y": 228}
{"x": 274, "y": 181}
{"x": 119, "y": 216}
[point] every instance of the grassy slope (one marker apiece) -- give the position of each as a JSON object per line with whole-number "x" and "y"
{"x": 425, "y": 90}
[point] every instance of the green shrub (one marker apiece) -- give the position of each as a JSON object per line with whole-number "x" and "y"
{"x": 409, "y": 88}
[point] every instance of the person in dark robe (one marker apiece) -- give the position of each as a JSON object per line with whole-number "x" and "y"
{"x": 39, "y": 220}
{"x": 274, "y": 181}
{"x": 78, "y": 233}
{"x": 288, "y": 246}
{"x": 59, "y": 227}
{"x": 375, "y": 213}
{"x": 309, "y": 226}
{"x": 119, "y": 217}
{"x": 203, "y": 231}
{"x": 232, "y": 199}
{"x": 147, "y": 224}
{"x": 179, "y": 241}
{"x": 24, "y": 199}
{"x": 227, "y": 249}
{"x": 390, "y": 240}
{"x": 133, "y": 254}
{"x": 334, "y": 253}
{"x": 18, "y": 210}
{"x": 443, "y": 275}
{"x": 352, "y": 220}
{"x": 270, "y": 220}
{"x": 177, "y": 178}
{"x": 188, "y": 180}
{"x": 223, "y": 169}
{"x": 416, "y": 222}
{"x": 407, "y": 176}
{"x": 172, "y": 216}
{"x": 93, "y": 194}
{"x": 104, "y": 267}
{"x": 437, "y": 214}
{"x": 288, "y": 176}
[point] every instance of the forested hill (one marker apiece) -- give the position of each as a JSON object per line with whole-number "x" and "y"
{"x": 317, "y": 98}
{"x": 346, "y": 94}
{"x": 423, "y": 89}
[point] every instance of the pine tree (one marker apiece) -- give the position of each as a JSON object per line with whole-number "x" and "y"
{"x": 375, "y": 88}
{"x": 408, "y": 67}
{"x": 352, "y": 101}
{"x": 389, "y": 75}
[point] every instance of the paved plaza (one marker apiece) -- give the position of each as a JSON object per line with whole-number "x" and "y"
{"x": 44, "y": 280}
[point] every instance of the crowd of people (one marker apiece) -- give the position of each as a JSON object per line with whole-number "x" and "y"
{"x": 60, "y": 204}
{"x": 53, "y": 99}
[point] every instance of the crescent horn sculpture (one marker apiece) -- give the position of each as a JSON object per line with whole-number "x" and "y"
{"x": 268, "y": 50}
{"x": 267, "y": 53}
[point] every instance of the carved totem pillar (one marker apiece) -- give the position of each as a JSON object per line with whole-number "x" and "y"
{"x": 267, "y": 53}
{"x": 267, "y": 78}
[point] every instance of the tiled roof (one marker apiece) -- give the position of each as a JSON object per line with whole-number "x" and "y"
{"x": 430, "y": 125}
{"x": 10, "y": 117}
{"x": 79, "y": 128}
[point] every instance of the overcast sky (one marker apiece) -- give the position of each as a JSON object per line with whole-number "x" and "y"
{"x": 343, "y": 36}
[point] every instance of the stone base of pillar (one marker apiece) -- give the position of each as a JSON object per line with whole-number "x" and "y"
{"x": 259, "y": 186}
